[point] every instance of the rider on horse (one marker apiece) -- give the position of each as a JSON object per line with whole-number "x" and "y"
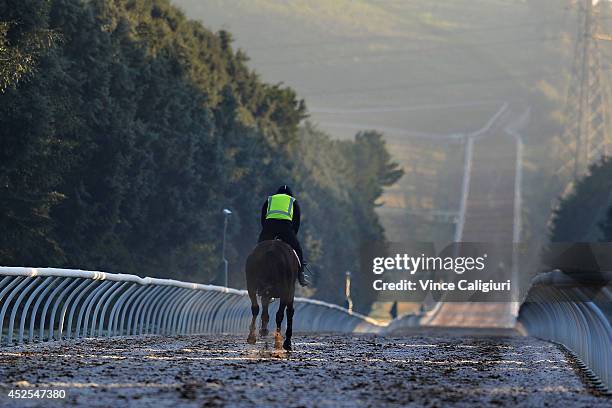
{"x": 280, "y": 218}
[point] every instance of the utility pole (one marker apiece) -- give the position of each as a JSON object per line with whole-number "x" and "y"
{"x": 226, "y": 215}
{"x": 585, "y": 138}
{"x": 347, "y": 291}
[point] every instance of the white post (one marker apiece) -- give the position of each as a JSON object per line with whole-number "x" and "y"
{"x": 226, "y": 213}
{"x": 347, "y": 291}
{"x": 465, "y": 186}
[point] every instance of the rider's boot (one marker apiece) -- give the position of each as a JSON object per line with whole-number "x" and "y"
{"x": 301, "y": 277}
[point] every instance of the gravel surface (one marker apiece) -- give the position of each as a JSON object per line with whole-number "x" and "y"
{"x": 416, "y": 369}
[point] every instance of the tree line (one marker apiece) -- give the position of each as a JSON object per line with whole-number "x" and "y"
{"x": 585, "y": 214}
{"x": 127, "y": 128}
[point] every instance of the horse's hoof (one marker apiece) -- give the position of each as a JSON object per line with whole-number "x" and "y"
{"x": 287, "y": 345}
{"x": 278, "y": 341}
{"x": 252, "y": 339}
{"x": 263, "y": 332}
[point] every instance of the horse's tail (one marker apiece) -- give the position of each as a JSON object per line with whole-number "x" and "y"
{"x": 270, "y": 274}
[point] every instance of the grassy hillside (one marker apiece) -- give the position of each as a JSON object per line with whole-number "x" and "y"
{"x": 413, "y": 68}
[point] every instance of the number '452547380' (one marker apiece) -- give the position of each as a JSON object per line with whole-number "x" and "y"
{"x": 36, "y": 393}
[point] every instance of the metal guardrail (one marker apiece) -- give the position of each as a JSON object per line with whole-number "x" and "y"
{"x": 405, "y": 321}
{"x": 43, "y": 304}
{"x": 574, "y": 313}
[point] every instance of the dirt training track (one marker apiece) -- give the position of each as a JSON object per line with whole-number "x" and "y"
{"x": 415, "y": 369}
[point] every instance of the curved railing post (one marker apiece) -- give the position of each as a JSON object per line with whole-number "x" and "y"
{"x": 164, "y": 304}
{"x": 168, "y": 313}
{"x": 183, "y": 311}
{"x": 114, "y": 314}
{"x": 177, "y": 309}
{"x": 23, "y": 293}
{"x": 43, "y": 315}
{"x": 134, "y": 307}
{"x": 91, "y": 286}
{"x": 196, "y": 310}
{"x": 26, "y": 307}
{"x": 104, "y": 301}
{"x": 56, "y": 305}
{"x": 151, "y": 308}
{"x": 7, "y": 302}
{"x": 138, "y": 323}
{"x": 37, "y": 304}
{"x": 85, "y": 308}
{"x": 129, "y": 305}
{"x": 79, "y": 290}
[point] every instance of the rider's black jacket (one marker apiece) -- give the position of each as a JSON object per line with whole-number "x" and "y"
{"x": 283, "y": 229}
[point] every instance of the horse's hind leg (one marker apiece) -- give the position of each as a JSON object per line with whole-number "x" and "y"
{"x": 289, "y": 331}
{"x": 252, "y": 339}
{"x": 265, "y": 317}
{"x": 278, "y": 338}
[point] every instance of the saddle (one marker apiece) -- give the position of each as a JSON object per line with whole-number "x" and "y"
{"x": 277, "y": 238}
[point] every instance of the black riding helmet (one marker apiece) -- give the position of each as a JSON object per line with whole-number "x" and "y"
{"x": 284, "y": 189}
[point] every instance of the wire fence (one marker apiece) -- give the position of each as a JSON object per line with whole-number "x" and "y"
{"x": 45, "y": 304}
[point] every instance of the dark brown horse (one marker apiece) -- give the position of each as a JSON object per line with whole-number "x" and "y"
{"x": 271, "y": 271}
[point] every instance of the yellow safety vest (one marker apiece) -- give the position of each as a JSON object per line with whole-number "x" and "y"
{"x": 280, "y": 207}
